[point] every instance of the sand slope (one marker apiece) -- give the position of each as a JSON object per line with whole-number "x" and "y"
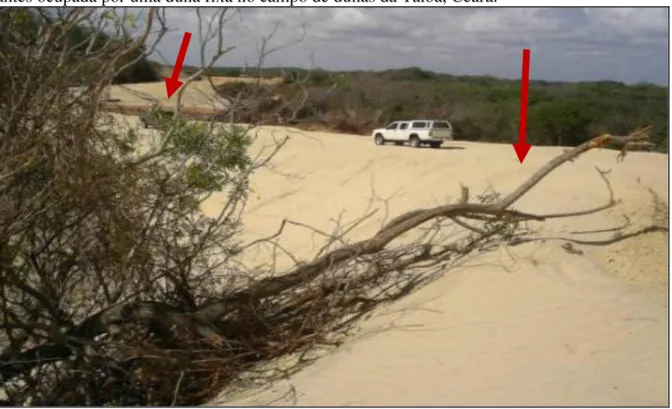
{"x": 531, "y": 325}
{"x": 525, "y": 325}
{"x": 546, "y": 335}
{"x": 199, "y": 94}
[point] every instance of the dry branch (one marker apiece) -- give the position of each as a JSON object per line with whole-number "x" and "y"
{"x": 206, "y": 322}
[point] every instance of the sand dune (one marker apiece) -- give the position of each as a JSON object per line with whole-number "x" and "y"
{"x": 198, "y": 94}
{"x": 531, "y": 325}
{"x": 524, "y": 325}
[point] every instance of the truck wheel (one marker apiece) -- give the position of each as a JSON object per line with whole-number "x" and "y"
{"x": 435, "y": 145}
{"x": 414, "y": 141}
{"x": 378, "y": 139}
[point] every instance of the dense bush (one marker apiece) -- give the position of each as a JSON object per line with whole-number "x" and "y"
{"x": 481, "y": 108}
{"x": 97, "y": 224}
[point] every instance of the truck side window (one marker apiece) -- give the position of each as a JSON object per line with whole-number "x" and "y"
{"x": 418, "y": 125}
{"x": 403, "y": 126}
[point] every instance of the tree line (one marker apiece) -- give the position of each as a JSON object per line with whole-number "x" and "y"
{"x": 481, "y": 108}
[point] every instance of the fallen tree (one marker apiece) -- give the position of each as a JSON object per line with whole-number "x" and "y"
{"x": 115, "y": 287}
{"x": 276, "y": 316}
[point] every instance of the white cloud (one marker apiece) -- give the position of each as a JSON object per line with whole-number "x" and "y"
{"x": 629, "y": 21}
{"x": 350, "y": 19}
{"x": 567, "y": 43}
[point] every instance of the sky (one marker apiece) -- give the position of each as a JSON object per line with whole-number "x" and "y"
{"x": 567, "y": 44}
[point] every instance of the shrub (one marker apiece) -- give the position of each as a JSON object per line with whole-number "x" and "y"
{"x": 93, "y": 218}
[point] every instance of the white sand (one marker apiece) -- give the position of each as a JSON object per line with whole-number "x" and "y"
{"x": 199, "y": 94}
{"x": 527, "y": 325}
{"x": 533, "y": 325}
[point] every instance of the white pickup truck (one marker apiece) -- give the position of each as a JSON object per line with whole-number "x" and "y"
{"x": 416, "y": 133}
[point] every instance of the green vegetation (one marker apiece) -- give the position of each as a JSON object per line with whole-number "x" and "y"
{"x": 481, "y": 108}
{"x": 98, "y": 223}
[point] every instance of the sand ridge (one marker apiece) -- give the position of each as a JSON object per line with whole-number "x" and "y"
{"x": 198, "y": 94}
{"x": 531, "y": 324}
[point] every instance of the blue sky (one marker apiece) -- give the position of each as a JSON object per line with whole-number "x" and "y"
{"x": 568, "y": 44}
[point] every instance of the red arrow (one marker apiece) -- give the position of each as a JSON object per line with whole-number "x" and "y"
{"x": 172, "y": 83}
{"x": 522, "y": 147}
